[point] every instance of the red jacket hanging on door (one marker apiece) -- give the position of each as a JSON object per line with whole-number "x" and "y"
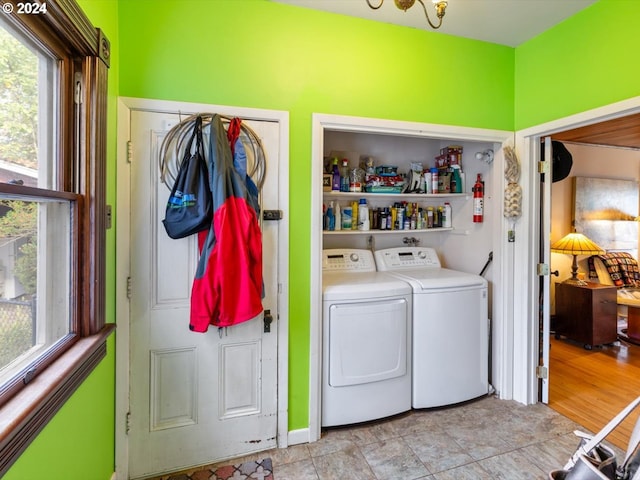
{"x": 227, "y": 288}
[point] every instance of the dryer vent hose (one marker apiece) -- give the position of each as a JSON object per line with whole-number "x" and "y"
{"x": 486, "y": 265}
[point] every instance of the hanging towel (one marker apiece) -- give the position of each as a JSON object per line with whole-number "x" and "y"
{"x": 227, "y": 288}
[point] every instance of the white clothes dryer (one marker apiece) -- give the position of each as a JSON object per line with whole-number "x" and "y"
{"x": 366, "y": 354}
{"x": 450, "y": 327}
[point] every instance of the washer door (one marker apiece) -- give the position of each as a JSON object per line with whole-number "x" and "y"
{"x": 367, "y": 341}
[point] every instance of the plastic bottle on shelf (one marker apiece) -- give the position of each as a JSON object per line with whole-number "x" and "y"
{"x": 414, "y": 217}
{"x": 375, "y": 219}
{"x": 338, "y": 215}
{"x": 331, "y": 219}
{"x": 344, "y": 176}
{"x": 324, "y": 217}
{"x": 347, "y": 218}
{"x": 356, "y": 180}
{"x": 456, "y": 180}
{"x": 354, "y": 215}
{"x": 446, "y": 215}
{"x": 428, "y": 186}
{"x": 400, "y": 218}
{"x": 384, "y": 213}
{"x": 335, "y": 181}
{"x": 434, "y": 180}
{"x": 363, "y": 215}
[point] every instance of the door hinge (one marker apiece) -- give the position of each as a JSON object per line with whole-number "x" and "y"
{"x": 129, "y": 288}
{"x": 107, "y": 225}
{"x": 543, "y": 269}
{"x": 542, "y": 372}
{"x": 129, "y": 151}
{"x": 543, "y": 167}
{"x": 127, "y": 425}
{"x": 77, "y": 90}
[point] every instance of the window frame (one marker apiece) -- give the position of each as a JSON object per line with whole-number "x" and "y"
{"x": 33, "y": 398}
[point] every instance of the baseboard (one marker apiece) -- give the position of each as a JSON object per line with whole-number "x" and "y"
{"x": 296, "y": 437}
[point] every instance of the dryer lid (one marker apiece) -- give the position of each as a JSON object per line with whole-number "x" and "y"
{"x": 361, "y": 285}
{"x": 440, "y": 278}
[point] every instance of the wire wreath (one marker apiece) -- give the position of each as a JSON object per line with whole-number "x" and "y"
{"x": 174, "y": 143}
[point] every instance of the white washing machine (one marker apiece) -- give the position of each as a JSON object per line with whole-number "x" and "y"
{"x": 366, "y": 353}
{"x": 450, "y": 327}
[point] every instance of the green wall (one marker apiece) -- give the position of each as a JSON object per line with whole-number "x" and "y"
{"x": 262, "y": 54}
{"x": 588, "y": 61}
{"x": 78, "y": 444}
{"x": 256, "y": 53}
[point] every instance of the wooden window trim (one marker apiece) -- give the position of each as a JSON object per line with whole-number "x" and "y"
{"x": 65, "y": 28}
{"x": 28, "y": 412}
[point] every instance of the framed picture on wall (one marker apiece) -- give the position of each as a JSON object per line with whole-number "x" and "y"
{"x": 606, "y": 211}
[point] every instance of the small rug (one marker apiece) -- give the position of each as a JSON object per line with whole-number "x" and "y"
{"x": 260, "y": 470}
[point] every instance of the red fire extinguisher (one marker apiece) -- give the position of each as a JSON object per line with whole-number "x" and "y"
{"x": 478, "y": 200}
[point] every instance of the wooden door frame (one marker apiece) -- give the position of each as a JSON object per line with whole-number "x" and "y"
{"x": 123, "y": 247}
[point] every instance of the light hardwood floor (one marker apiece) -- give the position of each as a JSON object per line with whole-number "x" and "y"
{"x": 592, "y": 386}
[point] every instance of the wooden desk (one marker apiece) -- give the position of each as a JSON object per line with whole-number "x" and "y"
{"x": 586, "y": 313}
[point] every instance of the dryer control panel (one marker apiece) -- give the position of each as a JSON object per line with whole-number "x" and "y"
{"x": 406, "y": 257}
{"x": 348, "y": 260}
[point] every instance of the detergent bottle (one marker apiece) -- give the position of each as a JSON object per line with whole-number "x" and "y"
{"x": 363, "y": 215}
{"x": 331, "y": 219}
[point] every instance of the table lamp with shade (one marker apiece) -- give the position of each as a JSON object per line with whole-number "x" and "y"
{"x": 576, "y": 244}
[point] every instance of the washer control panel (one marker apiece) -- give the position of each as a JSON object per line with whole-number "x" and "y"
{"x": 348, "y": 260}
{"x": 406, "y": 257}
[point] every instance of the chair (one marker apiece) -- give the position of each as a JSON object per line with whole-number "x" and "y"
{"x": 621, "y": 270}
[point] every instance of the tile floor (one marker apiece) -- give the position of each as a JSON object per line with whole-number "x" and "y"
{"x": 483, "y": 439}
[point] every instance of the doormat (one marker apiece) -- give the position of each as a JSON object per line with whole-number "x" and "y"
{"x": 260, "y": 470}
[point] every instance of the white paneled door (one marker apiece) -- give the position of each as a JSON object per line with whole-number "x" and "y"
{"x": 195, "y": 398}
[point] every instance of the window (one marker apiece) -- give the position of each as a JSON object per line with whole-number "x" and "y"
{"x": 53, "y": 70}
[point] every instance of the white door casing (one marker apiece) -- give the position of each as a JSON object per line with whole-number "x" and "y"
{"x": 527, "y": 304}
{"x": 196, "y": 398}
{"x": 502, "y": 344}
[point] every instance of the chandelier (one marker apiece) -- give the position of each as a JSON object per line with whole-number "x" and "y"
{"x": 440, "y": 5}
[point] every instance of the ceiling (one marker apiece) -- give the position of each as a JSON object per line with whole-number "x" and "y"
{"x": 506, "y": 22}
{"x": 619, "y": 132}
